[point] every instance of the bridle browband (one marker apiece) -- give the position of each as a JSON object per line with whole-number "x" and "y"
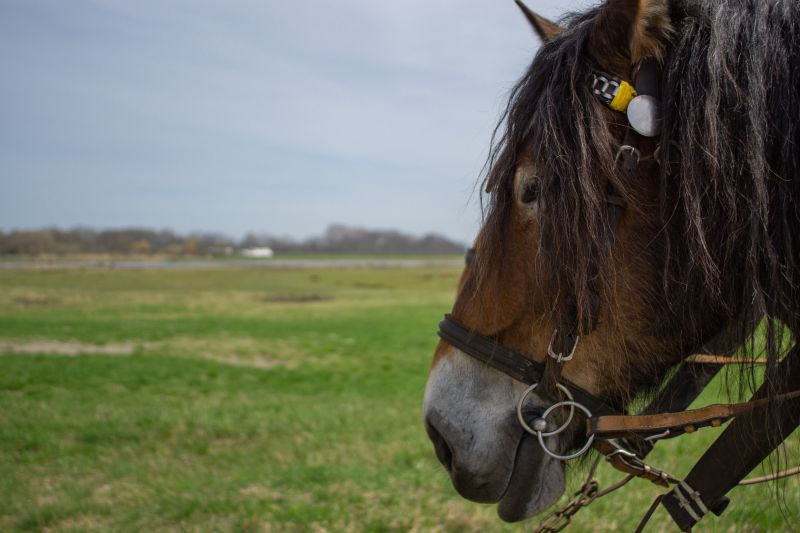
{"x": 623, "y": 439}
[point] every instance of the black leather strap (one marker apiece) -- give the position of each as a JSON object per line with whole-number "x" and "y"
{"x": 648, "y": 79}
{"x": 750, "y": 438}
{"x": 511, "y": 363}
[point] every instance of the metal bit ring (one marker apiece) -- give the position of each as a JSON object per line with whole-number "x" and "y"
{"x": 532, "y": 431}
{"x": 541, "y": 435}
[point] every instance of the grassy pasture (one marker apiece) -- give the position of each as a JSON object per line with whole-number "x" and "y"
{"x": 253, "y": 400}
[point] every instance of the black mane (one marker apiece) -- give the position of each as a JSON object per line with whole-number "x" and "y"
{"x": 732, "y": 126}
{"x": 730, "y": 174}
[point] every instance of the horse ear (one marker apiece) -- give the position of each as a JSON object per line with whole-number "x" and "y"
{"x": 627, "y": 31}
{"x": 545, "y": 29}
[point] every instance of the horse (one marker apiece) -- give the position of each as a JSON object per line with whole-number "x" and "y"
{"x": 606, "y": 263}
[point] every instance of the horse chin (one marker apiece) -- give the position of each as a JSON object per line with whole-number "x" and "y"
{"x": 536, "y": 483}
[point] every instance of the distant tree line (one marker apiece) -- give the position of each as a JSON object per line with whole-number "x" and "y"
{"x": 337, "y": 239}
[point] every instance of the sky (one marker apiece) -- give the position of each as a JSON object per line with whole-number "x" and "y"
{"x": 233, "y": 116}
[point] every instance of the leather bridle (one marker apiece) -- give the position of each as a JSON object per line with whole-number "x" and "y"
{"x": 624, "y": 439}
{"x": 511, "y": 363}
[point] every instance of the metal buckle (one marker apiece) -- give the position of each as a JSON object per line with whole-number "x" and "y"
{"x": 626, "y": 460}
{"x": 653, "y": 438}
{"x": 560, "y": 356}
{"x": 683, "y": 500}
{"x": 628, "y": 148}
{"x": 621, "y": 451}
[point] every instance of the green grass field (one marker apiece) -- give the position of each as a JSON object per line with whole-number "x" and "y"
{"x": 253, "y": 400}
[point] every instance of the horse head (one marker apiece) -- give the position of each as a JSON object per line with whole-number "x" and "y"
{"x": 574, "y": 247}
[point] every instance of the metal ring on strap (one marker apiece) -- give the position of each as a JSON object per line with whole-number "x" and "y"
{"x": 541, "y": 436}
{"x": 631, "y": 150}
{"x": 560, "y": 357}
{"x": 532, "y": 431}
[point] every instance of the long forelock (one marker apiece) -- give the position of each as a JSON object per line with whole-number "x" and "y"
{"x": 552, "y": 110}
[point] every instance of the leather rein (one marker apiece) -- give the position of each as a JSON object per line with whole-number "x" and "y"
{"x": 624, "y": 439}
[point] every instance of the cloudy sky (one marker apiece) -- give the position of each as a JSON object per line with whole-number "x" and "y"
{"x": 269, "y": 116}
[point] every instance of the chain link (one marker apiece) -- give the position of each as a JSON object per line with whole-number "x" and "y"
{"x": 561, "y": 518}
{"x": 590, "y": 491}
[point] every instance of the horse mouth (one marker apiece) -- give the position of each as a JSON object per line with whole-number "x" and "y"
{"x": 536, "y": 482}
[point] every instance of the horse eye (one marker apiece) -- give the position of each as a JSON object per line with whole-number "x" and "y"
{"x": 531, "y": 192}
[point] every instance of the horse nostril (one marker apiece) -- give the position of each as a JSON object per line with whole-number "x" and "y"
{"x": 443, "y": 451}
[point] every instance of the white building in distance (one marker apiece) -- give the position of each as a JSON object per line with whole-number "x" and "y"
{"x": 260, "y": 252}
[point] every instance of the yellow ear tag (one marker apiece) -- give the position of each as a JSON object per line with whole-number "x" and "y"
{"x": 624, "y": 95}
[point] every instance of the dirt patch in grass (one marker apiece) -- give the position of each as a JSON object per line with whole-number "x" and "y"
{"x": 87, "y": 522}
{"x": 36, "y": 300}
{"x": 294, "y": 298}
{"x": 320, "y": 351}
{"x": 245, "y": 351}
{"x": 235, "y": 351}
{"x": 260, "y": 492}
{"x": 65, "y": 348}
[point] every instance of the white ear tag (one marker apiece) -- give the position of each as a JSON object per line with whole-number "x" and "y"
{"x": 643, "y": 115}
